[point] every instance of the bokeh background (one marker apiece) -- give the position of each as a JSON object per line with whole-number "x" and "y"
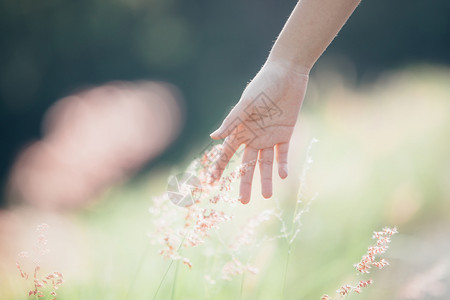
{"x": 101, "y": 101}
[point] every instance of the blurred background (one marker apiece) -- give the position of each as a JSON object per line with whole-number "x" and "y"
{"x": 101, "y": 101}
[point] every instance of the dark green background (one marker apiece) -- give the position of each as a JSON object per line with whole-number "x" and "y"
{"x": 209, "y": 49}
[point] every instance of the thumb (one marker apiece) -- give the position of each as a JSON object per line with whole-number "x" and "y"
{"x": 228, "y": 125}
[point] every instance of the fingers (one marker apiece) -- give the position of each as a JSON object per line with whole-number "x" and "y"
{"x": 230, "y": 145}
{"x": 249, "y": 159}
{"x": 281, "y": 156}
{"x": 265, "y": 167}
{"x": 227, "y": 125}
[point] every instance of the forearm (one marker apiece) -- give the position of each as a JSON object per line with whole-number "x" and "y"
{"x": 309, "y": 30}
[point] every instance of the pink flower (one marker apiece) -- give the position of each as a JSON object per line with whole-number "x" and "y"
{"x": 344, "y": 290}
{"x": 365, "y": 283}
{"x": 40, "y": 249}
{"x": 368, "y": 260}
{"x": 380, "y": 264}
{"x": 187, "y": 262}
{"x": 247, "y": 235}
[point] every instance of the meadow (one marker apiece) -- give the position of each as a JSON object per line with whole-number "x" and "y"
{"x": 382, "y": 159}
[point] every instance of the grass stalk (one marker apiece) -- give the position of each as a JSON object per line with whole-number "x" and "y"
{"x": 174, "y": 284}
{"x": 285, "y": 270}
{"x": 167, "y": 271}
{"x": 162, "y": 279}
{"x": 138, "y": 269}
{"x": 241, "y": 290}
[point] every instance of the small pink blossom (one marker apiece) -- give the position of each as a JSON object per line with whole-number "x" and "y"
{"x": 187, "y": 262}
{"x": 368, "y": 261}
{"x": 344, "y": 290}
{"x": 365, "y": 283}
{"x": 382, "y": 241}
{"x": 235, "y": 267}
{"x": 54, "y": 279}
{"x": 380, "y": 264}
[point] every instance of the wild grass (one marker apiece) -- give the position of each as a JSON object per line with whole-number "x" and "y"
{"x": 383, "y": 160}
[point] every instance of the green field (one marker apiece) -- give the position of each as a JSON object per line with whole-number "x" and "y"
{"x": 383, "y": 159}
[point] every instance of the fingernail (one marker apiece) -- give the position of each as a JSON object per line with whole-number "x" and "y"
{"x": 267, "y": 194}
{"x": 215, "y": 132}
{"x": 284, "y": 172}
{"x": 243, "y": 200}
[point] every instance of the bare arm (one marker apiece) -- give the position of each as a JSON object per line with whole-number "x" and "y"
{"x": 309, "y": 30}
{"x": 265, "y": 116}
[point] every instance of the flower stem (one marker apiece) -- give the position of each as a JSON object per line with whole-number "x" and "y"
{"x": 242, "y": 286}
{"x": 167, "y": 270}
{"x": 162, "y": 279}
{"x": 285, "y": 270}
{"x": 174, "y": 284}
{"x": 136, "y": 273}
{"x": 289, "y": 239}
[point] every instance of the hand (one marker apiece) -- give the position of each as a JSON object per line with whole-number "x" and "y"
{"x": 263, "y": 120}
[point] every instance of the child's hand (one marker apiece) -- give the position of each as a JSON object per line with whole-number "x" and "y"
{"x": 263, "y": 120}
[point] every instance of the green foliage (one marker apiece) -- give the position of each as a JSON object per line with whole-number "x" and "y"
{"x": 382, "y": 160}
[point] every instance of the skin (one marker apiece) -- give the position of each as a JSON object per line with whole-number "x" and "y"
{"x": 265, "y": 116}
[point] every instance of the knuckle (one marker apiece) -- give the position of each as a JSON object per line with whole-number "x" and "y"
{"x": 265, "y": 162}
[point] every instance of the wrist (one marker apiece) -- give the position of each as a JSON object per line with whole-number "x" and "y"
{"x": 290, "y": 65}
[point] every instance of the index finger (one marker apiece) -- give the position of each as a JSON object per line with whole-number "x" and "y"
{"x": 230, "y": 145}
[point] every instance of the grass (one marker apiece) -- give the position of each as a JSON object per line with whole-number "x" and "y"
{"x": 383, "y": 160}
